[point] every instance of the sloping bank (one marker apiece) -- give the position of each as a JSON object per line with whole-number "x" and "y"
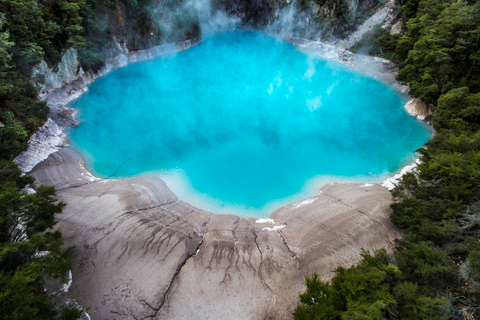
{"x": 140, "y": 253}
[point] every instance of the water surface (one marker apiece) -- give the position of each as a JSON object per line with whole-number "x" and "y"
{"x": 243, "y": 123}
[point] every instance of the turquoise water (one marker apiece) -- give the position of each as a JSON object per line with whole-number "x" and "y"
{"x": 244, "y": 123}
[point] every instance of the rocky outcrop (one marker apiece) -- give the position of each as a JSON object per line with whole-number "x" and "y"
{"x": 311, "y": 19}
{"x": 47, "y": 140}
{"x": 385, "y": 17}
{"x": 397, "y": 28}
{"x": 65, "y": 71}
{"x": 392, "y": 182}
{"x": 418, "y": 109}
{"x": 251, "y": 12}
{"x": 140, "y": 253}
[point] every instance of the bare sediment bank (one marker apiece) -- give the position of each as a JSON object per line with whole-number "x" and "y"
{"x": 140, "y": 253}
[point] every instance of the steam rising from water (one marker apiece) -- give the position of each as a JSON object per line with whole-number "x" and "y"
{"x": 212, "y": 20}
{"x": 190, "y": 13}
{"x": 244, "y": 122}
{"x": 289, "y": 21}
{"x": 292, "y": 23}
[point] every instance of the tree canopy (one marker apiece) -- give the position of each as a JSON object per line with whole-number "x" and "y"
{"x": 30, "y": 248}
{"x": 438, "y": 205}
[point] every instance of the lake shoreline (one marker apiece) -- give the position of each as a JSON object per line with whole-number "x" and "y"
{"x": 51, "y": 137}
{"x": 163, "y": 251}
{"x": 223, "y": 264}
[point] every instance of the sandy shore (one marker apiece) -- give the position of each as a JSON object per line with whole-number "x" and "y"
{"x": 140, "y": 253}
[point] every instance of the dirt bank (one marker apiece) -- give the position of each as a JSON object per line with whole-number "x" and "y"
{"x": 140, "y": 253}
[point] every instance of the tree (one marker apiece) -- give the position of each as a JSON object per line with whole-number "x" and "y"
{"x": 425, "y": 264}
{"x": 359, "y": 292}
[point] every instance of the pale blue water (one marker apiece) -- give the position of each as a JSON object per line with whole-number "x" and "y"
{"x": 244, "y": 122}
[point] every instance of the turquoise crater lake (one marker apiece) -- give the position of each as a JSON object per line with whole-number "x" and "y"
{"x": 244, "y": 123}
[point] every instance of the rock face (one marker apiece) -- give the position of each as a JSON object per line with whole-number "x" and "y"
{"x": 418, "y": 109}
{"x": 397, "y": 27}
{"x": 310, "y": 18}
{"x": 48, "y": 139}
{"x": 385, "y": 16}
{"x": 140, "y": 253}
{"x": 66, "y": 71}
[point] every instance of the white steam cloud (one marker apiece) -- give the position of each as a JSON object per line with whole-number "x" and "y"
{"x": 211, "y": 19}
{"x": 315, "y": 103}
{"x": 177, "y": 21}
{"x": 290, "y": 22}
{"x": 310, "y": 68}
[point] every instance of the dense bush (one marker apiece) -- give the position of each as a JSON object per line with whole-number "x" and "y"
{"x": 371, "y": 290}
{"x": 30, "y": 248}
{"x": 438, "y": 206}
{"x": 376, "y": 42}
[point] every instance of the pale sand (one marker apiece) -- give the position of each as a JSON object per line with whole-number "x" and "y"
{"x": 140, "y": 253}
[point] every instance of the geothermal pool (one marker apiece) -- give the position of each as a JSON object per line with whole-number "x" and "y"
{"x": 244, "y": 123}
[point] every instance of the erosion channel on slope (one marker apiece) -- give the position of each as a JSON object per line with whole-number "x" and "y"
{"x": 141, "y": 253}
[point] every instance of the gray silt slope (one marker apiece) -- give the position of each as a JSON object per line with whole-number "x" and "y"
{"x": 140, "y": 253}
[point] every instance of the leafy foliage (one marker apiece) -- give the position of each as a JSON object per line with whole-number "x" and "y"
{"x": 30, "y": 31}
{"x": 438, "y": 205}
{"x": 339, "y": 16}
{"x": 439, "y": 50}
{"x": 41, "y": 29}
{"x": 30, "y": 248}
{"x": 376, "y": 42}
{"x": 135, "y": 24}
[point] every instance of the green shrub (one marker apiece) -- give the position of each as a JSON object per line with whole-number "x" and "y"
{"x": 90, "y": 60}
